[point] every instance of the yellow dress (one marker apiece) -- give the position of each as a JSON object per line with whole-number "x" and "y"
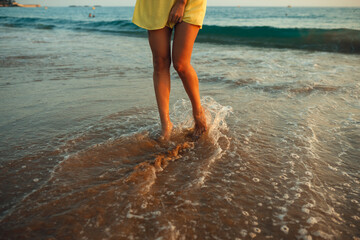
{"x": 154, "y": 14}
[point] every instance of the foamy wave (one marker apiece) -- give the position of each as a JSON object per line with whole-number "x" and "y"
{"x": 333, "y": 40}
{"x": 217, "y": 127}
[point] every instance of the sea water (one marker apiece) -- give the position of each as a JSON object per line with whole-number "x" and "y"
{"x": 78, "y": 123}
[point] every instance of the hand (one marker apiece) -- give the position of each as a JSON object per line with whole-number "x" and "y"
{"x": 177, "y": 12}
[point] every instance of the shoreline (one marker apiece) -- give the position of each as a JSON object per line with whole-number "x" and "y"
{"x": 15, "y": 4}
{"x": 79, "y": 117}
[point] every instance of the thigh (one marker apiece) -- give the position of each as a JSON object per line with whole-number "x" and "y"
{"x": 184, "y": 38}
{"x": 159, "y": 41}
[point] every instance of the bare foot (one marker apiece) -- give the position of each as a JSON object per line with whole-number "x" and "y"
{"x": 166, "y": 132}
{"x": 200, "y": 124}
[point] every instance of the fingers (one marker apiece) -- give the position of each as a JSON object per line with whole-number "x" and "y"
{"x": 175, "y": 18}
{"x": 176, "y": 14}
{"x": 172, "y": 17}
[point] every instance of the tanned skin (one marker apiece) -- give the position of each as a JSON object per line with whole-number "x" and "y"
{"x": 183, "y": 42}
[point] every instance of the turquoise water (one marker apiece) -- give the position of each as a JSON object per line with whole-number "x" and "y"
{"x": 323, "y": 29}
{"x": 78, "y": 119}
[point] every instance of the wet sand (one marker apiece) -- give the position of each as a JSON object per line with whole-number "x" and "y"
{"x": 79, "y": 160}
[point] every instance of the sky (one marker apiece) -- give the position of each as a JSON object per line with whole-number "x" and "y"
{"x": 330, "y": 3}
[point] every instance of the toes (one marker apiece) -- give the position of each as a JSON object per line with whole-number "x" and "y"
{"x": 198, "y": 132}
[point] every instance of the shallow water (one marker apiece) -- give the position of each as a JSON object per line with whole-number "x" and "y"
{"x": 79, "y": 160}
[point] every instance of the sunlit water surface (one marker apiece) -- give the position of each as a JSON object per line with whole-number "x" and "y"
{"x": 79, "y": 160}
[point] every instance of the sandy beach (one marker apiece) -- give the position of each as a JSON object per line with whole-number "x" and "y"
{"x": 78, "y": 123}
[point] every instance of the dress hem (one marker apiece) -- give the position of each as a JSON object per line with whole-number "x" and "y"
{"x": 163, "y": 26}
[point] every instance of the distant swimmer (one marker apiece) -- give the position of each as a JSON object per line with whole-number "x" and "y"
{"x": 89, "y": 15}
{"x": 93, "y": 15}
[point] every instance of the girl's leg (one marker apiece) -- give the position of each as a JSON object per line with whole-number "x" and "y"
{"x": 159, "y": 41}
{"x": 185, "y": 35}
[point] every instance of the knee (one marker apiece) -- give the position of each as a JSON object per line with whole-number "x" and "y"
{"x": 161, "y": 64}
{"x": 181, "y": 67}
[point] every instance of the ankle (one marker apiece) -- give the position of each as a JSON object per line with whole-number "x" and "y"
{"x": 166, "y": 125}
{"x": 198, "y": 112}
